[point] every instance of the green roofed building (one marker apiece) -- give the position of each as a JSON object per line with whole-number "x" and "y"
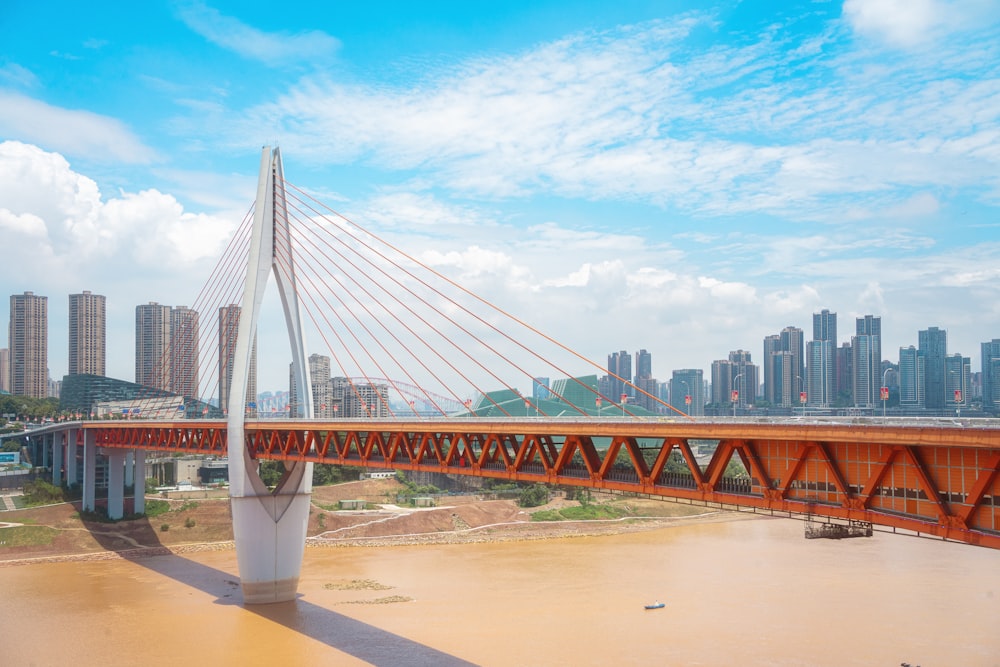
{"x": 567, "y": 397}
{"x": 94, "y": 395}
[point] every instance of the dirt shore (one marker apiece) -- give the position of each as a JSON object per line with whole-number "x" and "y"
{"x": 57, "y": 532}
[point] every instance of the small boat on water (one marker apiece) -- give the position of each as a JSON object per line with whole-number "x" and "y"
{"x": 655, "y": 605}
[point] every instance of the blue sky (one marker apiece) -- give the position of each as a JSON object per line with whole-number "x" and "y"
{"x": 626, "y": 175}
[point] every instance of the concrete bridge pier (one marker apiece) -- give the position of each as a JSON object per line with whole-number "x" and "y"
{"x": 116, "y": 483}
{"x": 138, "y": 469}
{"x": 270, "y": 533}
{"x": 58, "y": 447}
{"x": 71, "y": 453}
{"x": 89, "y": 471}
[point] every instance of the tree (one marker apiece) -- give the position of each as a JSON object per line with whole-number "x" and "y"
{"x": 533, "y": 496}
{"x": 271, "y": 472}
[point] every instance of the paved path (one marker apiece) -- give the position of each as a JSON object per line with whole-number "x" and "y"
{"x": 8, "y": 503}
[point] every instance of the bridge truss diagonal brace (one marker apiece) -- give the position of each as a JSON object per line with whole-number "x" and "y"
{"x": 269, "y": 528}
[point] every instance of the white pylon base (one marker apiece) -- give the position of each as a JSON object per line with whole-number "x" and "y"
{"x": 269, "y": 551}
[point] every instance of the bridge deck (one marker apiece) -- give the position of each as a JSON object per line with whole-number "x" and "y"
{"x": 931, "y": 477}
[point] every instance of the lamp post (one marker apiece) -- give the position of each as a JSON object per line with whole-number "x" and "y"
{"x": 884, "y": 390}
{"x": 802, "y": 402}
{"x": 736, "y": 393}
{"x": 958, "y": 392}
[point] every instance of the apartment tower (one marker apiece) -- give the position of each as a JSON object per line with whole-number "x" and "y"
{"x": 28, "y": 336}
{"x": 87, "y": 334}
{"x": 229, "y": 324}
{"x": 152, "y": 346}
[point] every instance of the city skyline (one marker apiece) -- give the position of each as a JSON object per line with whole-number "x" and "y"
{"x": 622, "y": 176}
{"x": 167, "y": 350}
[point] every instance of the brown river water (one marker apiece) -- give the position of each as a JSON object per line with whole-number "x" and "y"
{"x": 750, "y": 592}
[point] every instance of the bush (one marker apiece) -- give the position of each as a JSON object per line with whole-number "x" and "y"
{"x": 533, "y": 496}
{"x": 40, "y": 492}
{"x": 164, "y": 527}
{"x": 189, "y": 522}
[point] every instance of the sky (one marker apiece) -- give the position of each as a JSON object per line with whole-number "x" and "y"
{"x": 636, "y": 174}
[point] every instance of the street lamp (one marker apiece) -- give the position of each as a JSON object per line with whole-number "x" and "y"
{"x": 884, "y": 390}
{"x": 958, "y": 392}
{"x": 802, "y": 394}
{"x": 736, "y": 393}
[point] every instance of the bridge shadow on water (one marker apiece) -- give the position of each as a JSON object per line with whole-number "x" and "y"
{"x": 355, "y": 638}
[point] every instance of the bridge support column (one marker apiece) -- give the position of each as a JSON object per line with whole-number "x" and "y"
{"x": 129, "y": 467}
{"x": 72, "y": 475}
{"x": 270, "y": 534}
{"x": 89, "y": 472}
{"x": 58, "y": 444}
{"x": 116, "y": 484}
{"x": 139, "y": 486}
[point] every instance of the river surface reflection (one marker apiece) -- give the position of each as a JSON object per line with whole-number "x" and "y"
{"x": 737, "y": 593}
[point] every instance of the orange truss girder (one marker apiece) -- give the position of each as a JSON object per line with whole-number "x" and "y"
{"x": 938, "y": 480}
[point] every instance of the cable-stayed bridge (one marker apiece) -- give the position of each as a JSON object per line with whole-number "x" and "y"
{"x": 378, "y": 313}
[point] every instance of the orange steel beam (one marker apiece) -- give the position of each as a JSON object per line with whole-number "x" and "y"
{"x": 896, "y": 476}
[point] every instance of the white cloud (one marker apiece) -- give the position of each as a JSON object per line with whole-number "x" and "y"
{"x": 900, "y": 22}
{"x": 272, "y": 48}
{"x": 71, "y": 132}
{"x": 617, "y": 115}
{"x": 64, "y": 236}
{"x": 913, "y": 23}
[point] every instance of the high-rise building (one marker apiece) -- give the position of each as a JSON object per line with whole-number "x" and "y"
{"x": 5, "y": 370}
{"x": 825, "y": 326}
{"x": 322, "y": 390}
{"x": 821, "y": 361}
{"x": 844, "y": 380}
{"x": 229, "y": 324}
{"x": 957, "y": 380}
{"x": 152, "y": 346}
{"x": 736, "y": 374}
{"x": 772, "y": 345}
{"x": 87, "y": 334}
{"x": 991, "y": 375}
{"x": 911, "y": 378}
{"x": 645, "y": 391}
{"x": 783, "y": 367}
{"x": 933, "y": 345}
{"x": 687, "y": 391}
{"x": 28, "y": 340}
{"x": 866, "y": 350}
{"x": 184, "y": 358}
{"x": 643, "y": 364}
{"x": 619, "y": 375}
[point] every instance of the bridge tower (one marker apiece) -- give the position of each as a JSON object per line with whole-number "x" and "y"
{"x": 269, "y": 527}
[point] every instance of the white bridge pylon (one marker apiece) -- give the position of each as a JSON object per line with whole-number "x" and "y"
{"x": 269, "y": 527}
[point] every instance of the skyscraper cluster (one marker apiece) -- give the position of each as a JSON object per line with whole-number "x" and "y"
{"x": 337, "y": 396}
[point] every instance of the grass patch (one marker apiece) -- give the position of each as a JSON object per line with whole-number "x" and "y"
{"x": 592, "y": 512}
{"x": 156, "y": 507}
{"x": 27, "y": 536}
{"x": 581, "y": 513}
{"x": 187, "y": 505}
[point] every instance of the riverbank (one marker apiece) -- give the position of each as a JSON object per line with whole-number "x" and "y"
{"x": 58, "y": 533}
